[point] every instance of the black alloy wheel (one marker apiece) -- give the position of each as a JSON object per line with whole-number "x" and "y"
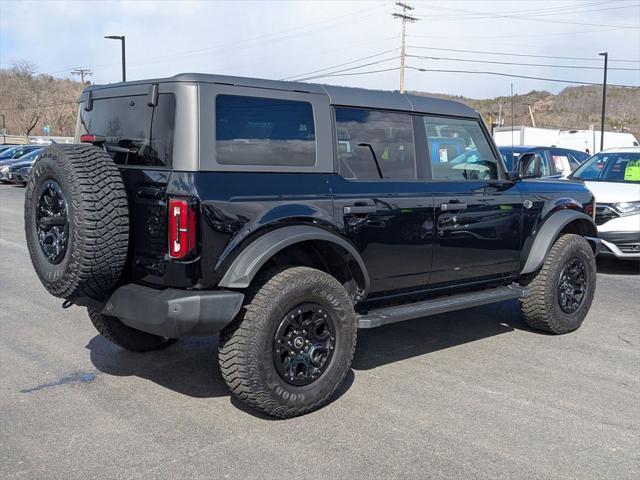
{"x": 303, "y": 344}
{"x": 52, "y": 222}
{"x": 572, "y": 285}
{"x": 290, "y": 346}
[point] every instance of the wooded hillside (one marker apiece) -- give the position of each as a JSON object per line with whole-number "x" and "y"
{"x": 29, "y": 101}
{"x": 572, "y": 108}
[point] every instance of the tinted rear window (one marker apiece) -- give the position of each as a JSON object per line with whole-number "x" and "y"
{"x": 264, "y": 131}
{"x": 136, "y": 133}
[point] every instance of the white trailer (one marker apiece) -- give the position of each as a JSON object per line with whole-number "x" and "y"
{"x": 529, "y": 136}
{"x": 590, "y": 140}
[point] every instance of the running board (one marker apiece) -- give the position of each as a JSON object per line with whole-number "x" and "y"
{"x": 434, "y": 306}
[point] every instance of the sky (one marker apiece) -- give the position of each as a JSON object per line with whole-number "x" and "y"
{"x": 288, "y": 39}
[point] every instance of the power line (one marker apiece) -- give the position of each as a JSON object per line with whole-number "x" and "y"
{"x": 348, "y": 69}
{"x": 582, "y": 67}
{"x": 542, "y": 11}
{"x": 545, "y": 20}
{"x": 339, "y": 65}
{"x": 500, "y": 74}
{"x": 533, "y": 13}
{"x": 251, "y": 42}
{"x": 353, "y": 73}
{"x": 474, "y": 37}
{"x": 516, "y": 54}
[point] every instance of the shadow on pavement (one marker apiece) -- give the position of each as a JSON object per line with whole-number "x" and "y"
{"x": 614, "y": 266}
{"x": 190, "y": 366}
{"x": 400, "y": 341}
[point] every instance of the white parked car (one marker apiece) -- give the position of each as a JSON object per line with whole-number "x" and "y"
{"x": 613, "y": 176}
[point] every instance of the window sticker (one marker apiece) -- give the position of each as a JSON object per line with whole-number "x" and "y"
{"x": 632, "y": 172}
{"x": 561, "y": 163}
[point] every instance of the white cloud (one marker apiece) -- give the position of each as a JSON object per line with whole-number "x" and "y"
{"x": 275, "y": 39}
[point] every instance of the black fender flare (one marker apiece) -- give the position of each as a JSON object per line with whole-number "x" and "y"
{"x": 251, "y": 259}
{"x": 548, "y": 234}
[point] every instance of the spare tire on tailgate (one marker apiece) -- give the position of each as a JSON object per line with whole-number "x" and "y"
{"x": 76, "y": 220}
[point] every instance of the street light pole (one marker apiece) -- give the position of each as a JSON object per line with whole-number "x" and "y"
{"x": 4, "y": 131}
{"x": 124, "y": 66}
{"x": 604, "y": 99}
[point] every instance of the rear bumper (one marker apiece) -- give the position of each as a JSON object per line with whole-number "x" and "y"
{"x": 173, "y": 313}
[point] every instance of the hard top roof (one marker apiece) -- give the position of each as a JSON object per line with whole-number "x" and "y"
{"x": 347, "y": 96}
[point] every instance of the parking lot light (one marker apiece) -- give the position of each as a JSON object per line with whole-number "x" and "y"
{"x": 124, "y": 68}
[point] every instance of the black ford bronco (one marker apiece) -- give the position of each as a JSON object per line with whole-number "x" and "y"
{"x": 285, "y": 216}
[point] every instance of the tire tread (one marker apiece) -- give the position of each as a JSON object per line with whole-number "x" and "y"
{"x": 237, "y": 340}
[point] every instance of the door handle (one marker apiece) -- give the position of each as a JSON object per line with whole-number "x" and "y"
{"x": 452, "y": 207}
{"x": 357, "y": 209}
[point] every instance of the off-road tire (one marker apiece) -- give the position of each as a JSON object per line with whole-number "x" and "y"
{"x": 124, "y": 336}
{"x": 246, "y": 345}
{"x": 98, "y": 220}
{"x": 541, "y": 309}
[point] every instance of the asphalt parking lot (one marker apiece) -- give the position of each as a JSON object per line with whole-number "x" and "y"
{"x": 473, "y": 394}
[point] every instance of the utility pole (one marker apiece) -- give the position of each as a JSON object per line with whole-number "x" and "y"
{"x": 83, "y": 72}
{"x": 533, "y": 122}
{"x": 405, "y": 17}
{"x": 4, "y": 130}
{"x": 512, "y": 117}
{"x": 604, "y": 99}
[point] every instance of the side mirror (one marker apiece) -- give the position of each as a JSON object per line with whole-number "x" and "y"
{"x": 522, "y": 171}
{"x": 513, "y": 175}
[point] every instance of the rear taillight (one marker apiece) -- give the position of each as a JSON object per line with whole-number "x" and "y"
{"x": 182, "y": 228}
{"x": 95, "y": 139}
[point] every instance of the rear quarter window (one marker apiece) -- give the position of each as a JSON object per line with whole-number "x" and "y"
{"x": 264, "y": 131}
{"x": 136, "y": 133}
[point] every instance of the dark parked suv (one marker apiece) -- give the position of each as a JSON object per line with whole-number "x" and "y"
{"x": 285, "y": 216}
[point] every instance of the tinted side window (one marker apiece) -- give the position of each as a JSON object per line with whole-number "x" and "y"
{"x": 459, "y": 150}
{"x": 574, "y": 162}
{"x": 374, "y": 144}
{"x": 136, "y": 134}
{"x": 264, "y": 131}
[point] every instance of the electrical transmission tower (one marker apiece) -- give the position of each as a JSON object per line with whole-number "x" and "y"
{"x": 405, "y": 17}
{"x": 83, "y": 72}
